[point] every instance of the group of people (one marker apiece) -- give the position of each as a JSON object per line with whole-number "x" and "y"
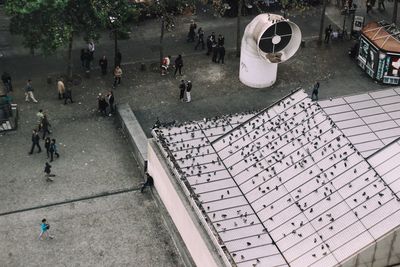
{"x": 166, "y": 65}
{"x": 49, "y": 143}
{"x": 105, "y": 101}
{"x": 87, "y": 56}
{"x": 185, "y": 89}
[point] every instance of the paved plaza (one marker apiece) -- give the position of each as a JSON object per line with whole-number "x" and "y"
{"x": 126, "y": 228}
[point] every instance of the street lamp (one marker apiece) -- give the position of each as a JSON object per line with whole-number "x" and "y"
{"x": 113, "y": 21}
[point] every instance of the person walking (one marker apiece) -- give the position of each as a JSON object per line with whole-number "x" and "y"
{"x": 48, "y": 174}
{"x": 117, "y": 76}
{"x": 47, "y": 143}
{"x": 68, "y": 95}
{"x": 40, "y": 116}
{"x": 200, "y": 41}
{"x": 91, "y": 49}
{"x": 314, "y": 95}
{"x": 6, "y": 78}
{"x": 369, "y": 6}
{"x": 44, "y": 125}
{"x": 44, "y": 230}
{"x": 182, "y": 88}
{"x": 188, "y": 90}
{"x": 221, "y": 54}
{"x": 178, "y": 65}
{"x": 35, "y": 142}
{"x": 209, "y": 45}
{"x": 110, "y": 97}
{"x": 29, "y": 92}
{"x": 328, "y": 33}
{"x": 61, "y": 88}
{"x": 53, "y": 149}
{"x": 103, "y": 65}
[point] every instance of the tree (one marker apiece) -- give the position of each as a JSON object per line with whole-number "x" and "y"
{"x": 394, "y": 18}
{"x": 52, "y": 24}
{"x": 321, "y": 26}
{"x": 113, "y": 15}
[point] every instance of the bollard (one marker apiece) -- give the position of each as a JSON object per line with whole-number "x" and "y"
{"x": 303, "y": 44}
{"x": 143, "y": 67}
{"x": 49, "y": 80}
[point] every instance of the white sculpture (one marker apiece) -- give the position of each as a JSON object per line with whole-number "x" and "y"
{"x": 267, "y": 40}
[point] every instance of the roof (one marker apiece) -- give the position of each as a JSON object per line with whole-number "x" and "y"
{"x": 370, "y": 120}
{"x": 382, "y": 35}
{"x": 282, "y": 186}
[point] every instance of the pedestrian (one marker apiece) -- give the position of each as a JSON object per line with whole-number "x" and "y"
{"x": 68, "y": 95}
{"x": 166, "y": 62}
{"x": 87, "y": 59}
{"x": 215, "y": 52}
{"x": 188, "y": 90}
{"x": 314, "y": 95}
{"x": 110, "y": 97}
{"x": 200, "y": 41}
{"x": 221, "y": 54}
{"x": 149, "y": 182}
{"x": 6, "y": 78}
{"x": 35, "y": 142}
{"x": 117, "y": 76}
{"x": 44, "y": 230}
{"x": 369, "y": 6}
{"x": 29, "y": 92}
{"x": 178, "y": 65}
{"x": 118, "y": 58}
{"x": 40, "y": 116}
{"x": 102, "y": 104}
{"x": 61, "y": 88}
{"x": 192, "y": 31}
{"x": 209, "y": 45}
{"x": 91, "y": 49}
{"x": 53, "y": 149}
{"x": 221, "y": 40}
{"x": 103, "y": 65}
{"x": 44, "y": 125}
{"x": 48, "y": 174}
{"x": 47, "y": 142}
{"x": 381, "y": 4}
{"x": 328, "y": 32}
{"x": 182, "y": 88}
{"x": 82, "y": 57}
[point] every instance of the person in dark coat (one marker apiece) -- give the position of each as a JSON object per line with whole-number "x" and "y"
{"x": 102, "y": 105}
{"x": 149, "y": 183}
{"x": 110, "y": 97}
{"x": 118, "y": 58}
{"x": 47, "y": 142}
{"x": 178, "y": 65}
{"x": 328, "y": 33}
{"x": 200, "y": 41}
{"x": 192, "y": 32}
{"x": 215, "y": 52}
{"x": 221, "y": 40}
{"x": 47, "y": 171}
{"x": 35, "y": 141}
{"x": 6, "y": 78}
{"x": 44, "y": 125}
{"x": 103, "y": 65}
{"x": 68, "y": 95}
{"x": 221, "y": 54}
{"x": 182, "y": 89}
{"x": 53, "y": 149}
{"x": 314, "y": 95}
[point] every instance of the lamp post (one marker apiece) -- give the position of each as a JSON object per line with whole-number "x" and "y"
{"x": 114, "y": 29}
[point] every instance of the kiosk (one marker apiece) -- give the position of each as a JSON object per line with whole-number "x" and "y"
{"x": 379, "y": 52}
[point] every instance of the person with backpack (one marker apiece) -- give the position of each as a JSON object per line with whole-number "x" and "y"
{"x": 53, "y": 149}
{"x": 44, "y": 230}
